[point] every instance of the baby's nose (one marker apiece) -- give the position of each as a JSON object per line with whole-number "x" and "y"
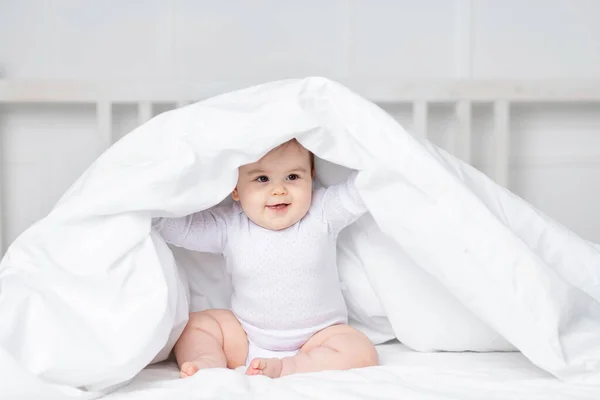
{"x": 278, "y": 190}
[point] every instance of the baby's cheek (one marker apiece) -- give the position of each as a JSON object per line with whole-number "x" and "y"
{"x": 258, "y": 199}
{"x": 305, "y": 201}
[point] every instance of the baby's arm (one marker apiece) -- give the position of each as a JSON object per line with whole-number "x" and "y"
{"x": 205, "y": 231}
{"x": 342, "y": 204}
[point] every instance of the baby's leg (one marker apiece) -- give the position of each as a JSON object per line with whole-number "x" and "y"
{"x": 211, "y": 339}
{"x": 338, "y": 347}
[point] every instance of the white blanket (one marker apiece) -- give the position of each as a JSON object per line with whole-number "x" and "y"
{"x": 445, "y": 260}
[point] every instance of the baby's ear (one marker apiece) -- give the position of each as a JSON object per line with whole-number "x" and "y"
{"x": 235, "y": 195}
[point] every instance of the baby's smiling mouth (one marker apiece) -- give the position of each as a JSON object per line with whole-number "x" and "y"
{"x": 278, "y": 207}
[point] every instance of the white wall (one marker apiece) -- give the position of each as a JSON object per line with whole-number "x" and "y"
{"x": 556, "y": 149}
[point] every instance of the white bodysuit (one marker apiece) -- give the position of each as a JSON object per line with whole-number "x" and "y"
{"x": 285, "y": 283}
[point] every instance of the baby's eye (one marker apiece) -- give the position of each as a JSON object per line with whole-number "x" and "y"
{"x": 293, "y": 177}
{"x": 262, "y": 179}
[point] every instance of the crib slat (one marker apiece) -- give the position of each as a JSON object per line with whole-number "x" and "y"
{"x": 144, "y": 111}
{"x": 2, "y": 221}
{"x": 501, "y": 142}
{"x": 104, "y": 122}
{"x": 420, "y": 117}
{"x": 462, "y": 139}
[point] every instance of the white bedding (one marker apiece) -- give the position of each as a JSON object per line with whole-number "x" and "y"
{"x": 444, "y": 260}
{"x": 404, "y": 374}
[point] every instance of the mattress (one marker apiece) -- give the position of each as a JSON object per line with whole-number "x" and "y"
{"x": 403, "y": 374}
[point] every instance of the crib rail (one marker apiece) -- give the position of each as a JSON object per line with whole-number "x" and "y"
{"x": 419, "y": 93}
{"x": 56, "y": 91}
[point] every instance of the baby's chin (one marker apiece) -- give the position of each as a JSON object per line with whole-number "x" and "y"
{"x": 267, "y": 220}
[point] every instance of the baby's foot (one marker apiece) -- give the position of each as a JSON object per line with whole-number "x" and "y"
{"x": 270, "y": 367}
{"x": 191, "y": 367}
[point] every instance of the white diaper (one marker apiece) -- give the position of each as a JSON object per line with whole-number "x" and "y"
{"x": 258, "y": 352}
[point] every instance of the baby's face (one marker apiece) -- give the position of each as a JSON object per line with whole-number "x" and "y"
{"x": 276, "y": 191}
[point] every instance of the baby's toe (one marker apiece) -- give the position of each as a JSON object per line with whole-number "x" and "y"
{"x": 188, "y": 369}
{"x": 258, "y": 363}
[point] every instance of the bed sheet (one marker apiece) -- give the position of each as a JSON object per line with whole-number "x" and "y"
{"x": 403, "y": 374}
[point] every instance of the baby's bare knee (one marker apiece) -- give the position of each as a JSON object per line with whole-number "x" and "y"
{"x": 369, "y": 356}
{"x": 199, "y": 317}
{"x": 357, "y": 349}
{"x": 363, "y": 352}
{"x": 206, "y": 321}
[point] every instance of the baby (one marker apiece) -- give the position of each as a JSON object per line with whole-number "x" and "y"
{"x": 287, "y": 313}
